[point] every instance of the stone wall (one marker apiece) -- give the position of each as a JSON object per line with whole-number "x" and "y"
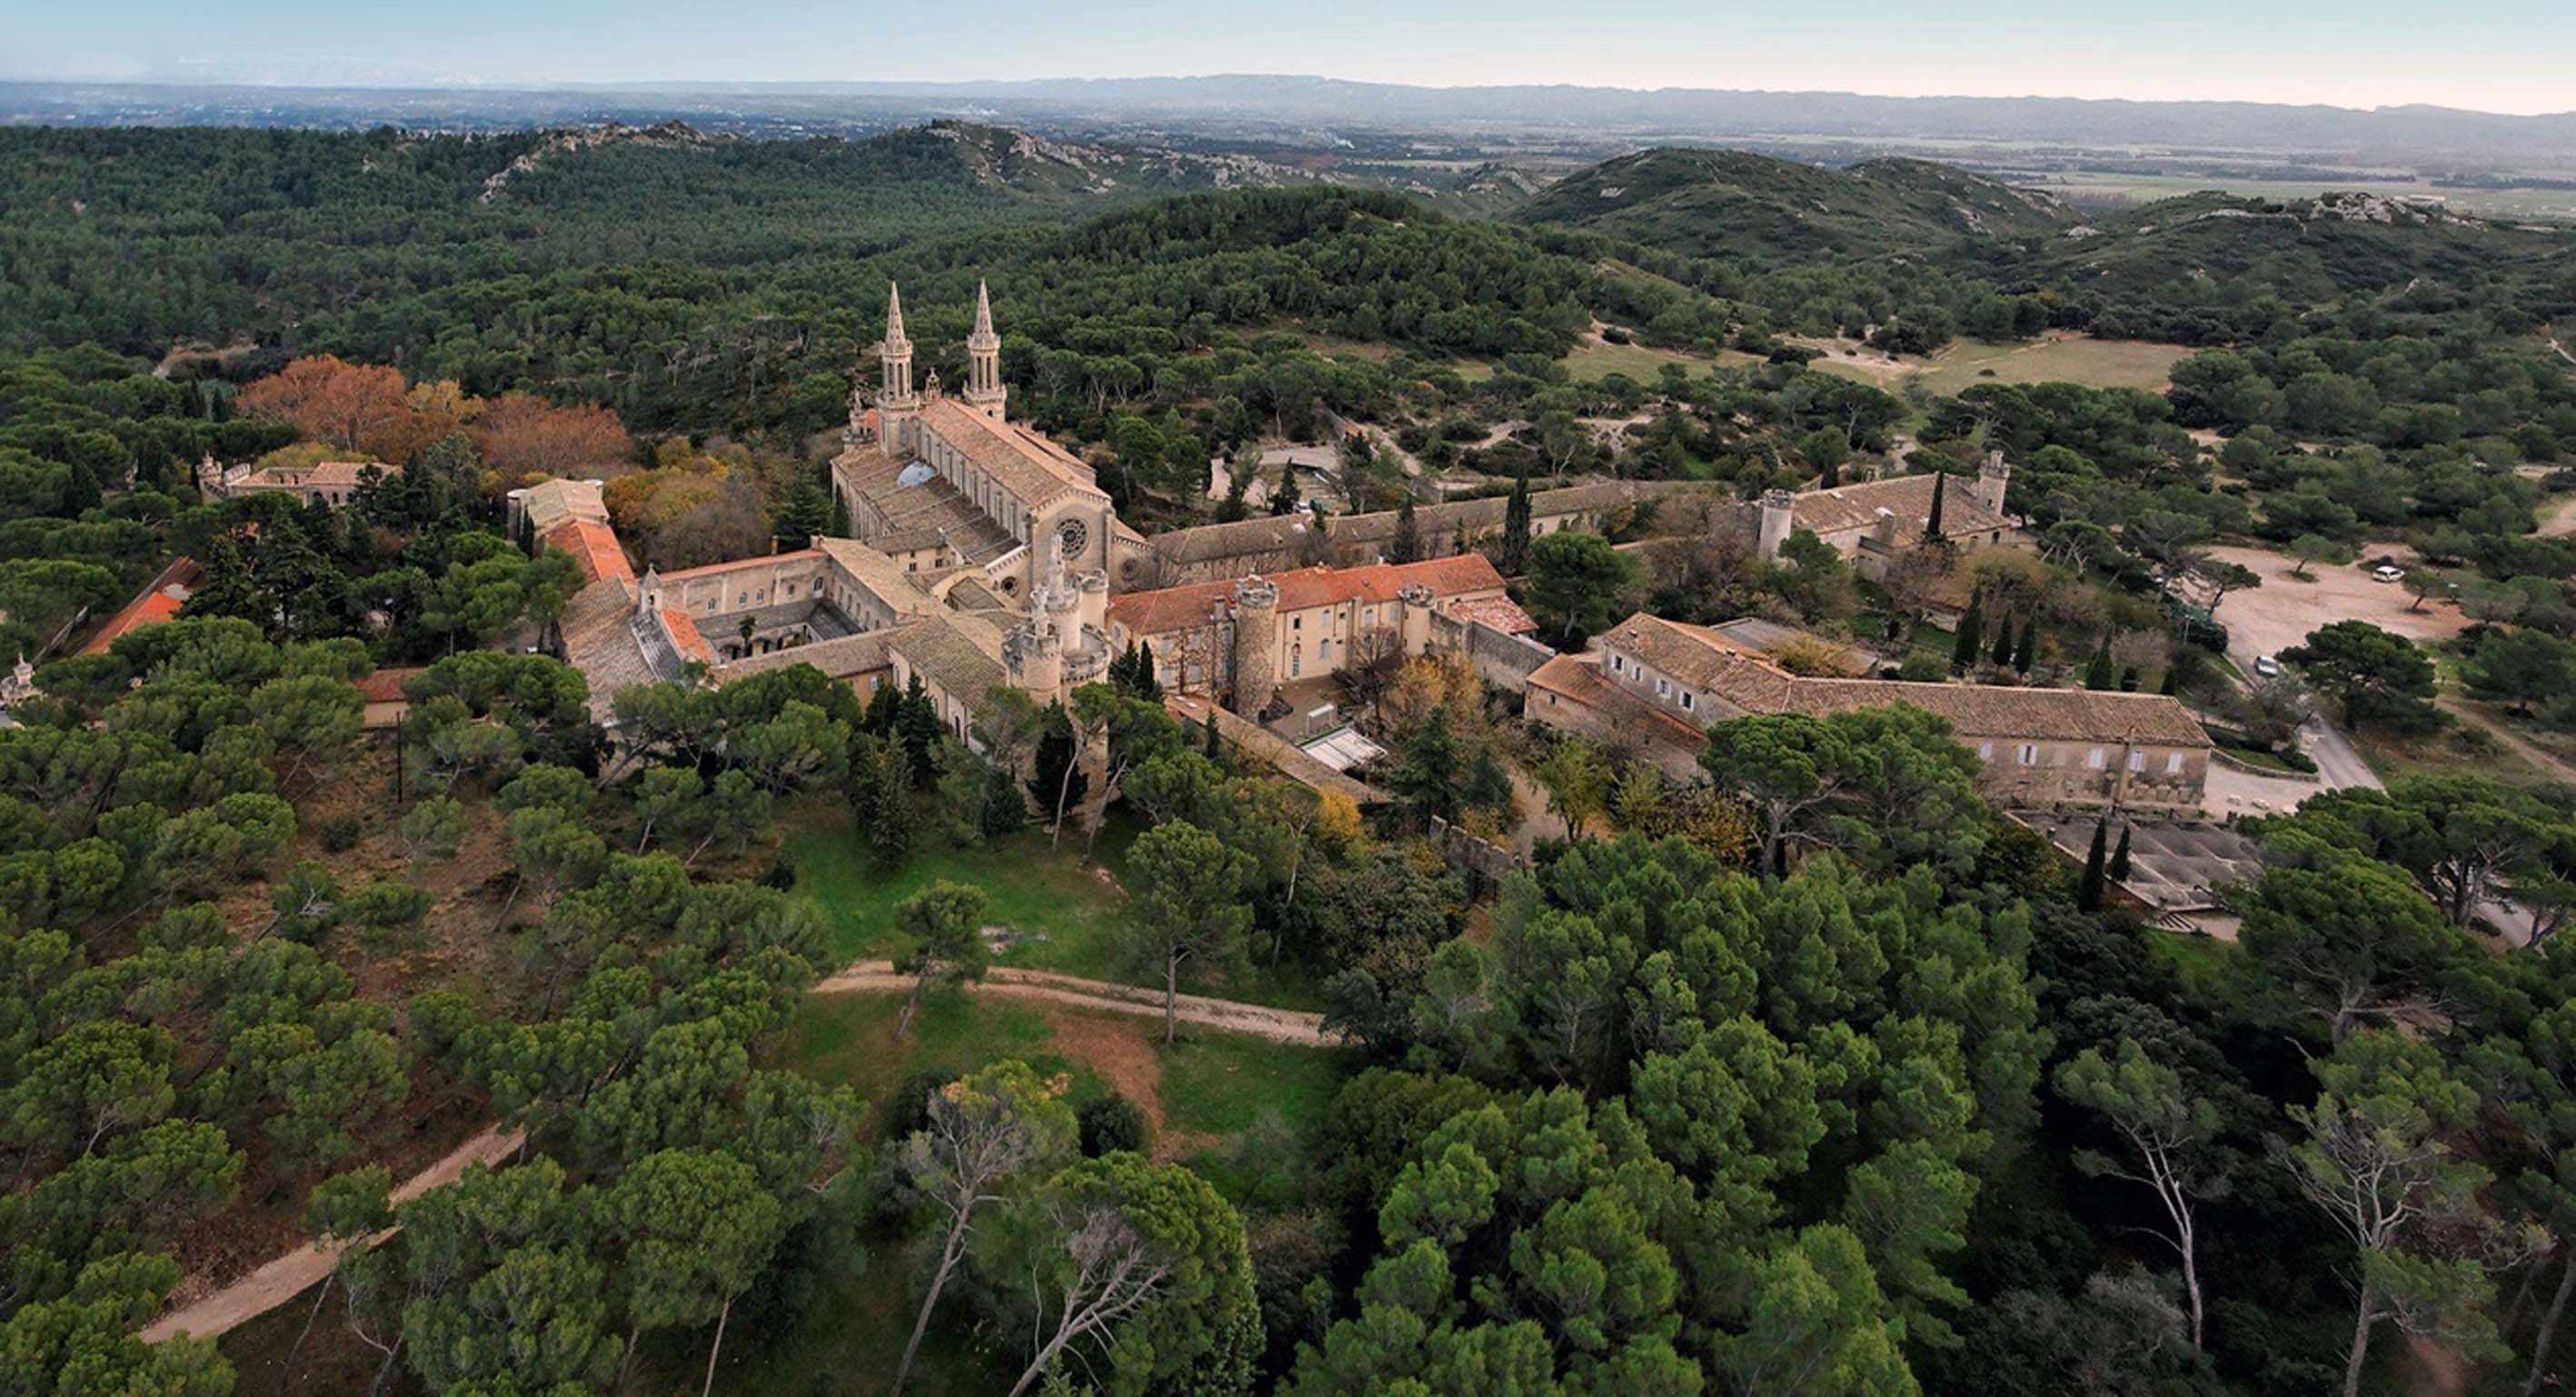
{"x": 1501, "y": 659}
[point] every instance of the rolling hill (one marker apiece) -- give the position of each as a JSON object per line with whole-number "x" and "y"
{"x": 1753, "y": 208}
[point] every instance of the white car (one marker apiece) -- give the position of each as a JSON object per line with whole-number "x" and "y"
{"x": 2387, "y": 572}
{"x": 2266, "y": 666}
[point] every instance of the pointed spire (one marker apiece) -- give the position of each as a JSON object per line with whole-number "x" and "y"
{"x": 983, "y": 309}
{"x": 894, "y": 313}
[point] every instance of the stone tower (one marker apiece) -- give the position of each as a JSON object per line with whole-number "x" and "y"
{"x": 1779, "y": 516}
{"x": 1256, "y": 645}
{"x": 1992, "y": 478}
{"x": 896, "y": 402}
{"x": 984, "y": 390}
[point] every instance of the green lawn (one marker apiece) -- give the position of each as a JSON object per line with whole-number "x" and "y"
{"x": 1260, "y": 1098}
{"x": 1073, "y": 914}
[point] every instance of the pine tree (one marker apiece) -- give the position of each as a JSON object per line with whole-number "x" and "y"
{"x": 2088, "y": 893}
{"x": 1932, "y": 523}
{"x": 2029, "y": 644}
{"x": 1513, "y": 556}
{"x": 2118, "y": 868}
{"x": 1963, "y": 645}
{"x": 2099, "y": 676}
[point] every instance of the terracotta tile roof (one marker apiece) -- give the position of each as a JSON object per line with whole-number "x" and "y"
{"x": 1704, "y": 659}
{"x": 159, "y": 601}
{"x": 685, "y": 637}
{"x": 594, "y": 549}
{"x": 1180, "y": 608}
{"x": 1500, "y": 613}
{"x": 1026, "y": 464}
{"x": 843, "y": 658}
{"x": 1908, "y": 497}
{"x": 793, "y": 555}
{"x": 324, "y": 475}
{"x": 898, "y": 591}
{"x": 960, "y": 654}
{"x": 1581, "y": 682}
{"x": 1208, "y": 542}
{"x": 551, "y": 502}
{"x": 598, "y": 630}
{"x": 1990, "y": 710}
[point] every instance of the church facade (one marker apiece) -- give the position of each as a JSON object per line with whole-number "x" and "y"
{"x": 938, "y": 481}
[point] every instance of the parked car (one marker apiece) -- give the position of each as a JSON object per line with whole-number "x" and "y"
{"x": 2266, "y": 666}
{"x": 2387, "y": 572}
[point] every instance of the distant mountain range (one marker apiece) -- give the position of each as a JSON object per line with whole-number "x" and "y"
{"x": 2325, "y": 132}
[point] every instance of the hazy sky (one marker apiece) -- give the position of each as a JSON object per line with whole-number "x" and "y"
{"x": 2493, "y": 55}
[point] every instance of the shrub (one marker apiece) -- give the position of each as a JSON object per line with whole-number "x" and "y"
{"x": 1924, "y": 669}
{"x": 340, "y": 833}
{"x": 1108, "y": 1124}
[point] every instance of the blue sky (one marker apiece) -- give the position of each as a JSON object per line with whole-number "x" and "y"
{"x": 2495, "y": 55}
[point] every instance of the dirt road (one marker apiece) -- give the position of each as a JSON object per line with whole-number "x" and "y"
{"x": 299, "y": 1270}
{"x": 1278, "y": 1025}
{"x": 291, "y": 1275}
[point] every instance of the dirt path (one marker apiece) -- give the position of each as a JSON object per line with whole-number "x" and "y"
{"x": 1278, "y": 1025}
{"x": 2559, "y": 520}
{"x": 291, "y": 1275}
{"x": 1121, "y": 1049}
{"x": 1124, "y": 1058}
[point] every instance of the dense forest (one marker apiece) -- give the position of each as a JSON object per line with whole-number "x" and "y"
{"x": 1814, "y": 1076}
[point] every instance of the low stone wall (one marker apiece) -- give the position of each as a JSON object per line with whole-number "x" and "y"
{"x": 2232, "y": 762}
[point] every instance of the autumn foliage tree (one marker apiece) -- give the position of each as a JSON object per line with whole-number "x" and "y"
{"x": 523, "y": 437}
{"x": 358, "y": 407}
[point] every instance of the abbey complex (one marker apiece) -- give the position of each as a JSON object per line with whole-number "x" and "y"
{"x": 981, "y": 553}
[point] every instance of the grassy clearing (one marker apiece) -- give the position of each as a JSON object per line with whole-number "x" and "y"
{"x": 1594, "y": 360}
{"x": 1073, "y": 916}
{"x": 1239, "y": 1108}
{"x": 2057, "y": 359}
{"x": 2451, "y": 752}
{"x": 2204, "y": 964}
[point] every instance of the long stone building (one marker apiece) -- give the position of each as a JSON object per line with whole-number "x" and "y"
{"x": 1245, "y": 640}
{"x": 1654, "y": 686}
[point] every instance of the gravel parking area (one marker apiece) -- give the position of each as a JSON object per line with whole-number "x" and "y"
{"x": 2269, "y": 619}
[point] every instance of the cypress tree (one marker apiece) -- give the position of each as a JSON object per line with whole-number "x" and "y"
{"x": 2088, "y": 893}
{"x": 839, "y": 524}
{"x": 1963, "y": 646}
{"x": 2171, "y": 684}
{"x": 2003, "y": 652}
{"x": 1216, "y": 752}
{"x": 2099, "y": 675}
{"x": 1514, "y": 559}
{"x": 1408, "y": 535}
{"x": 2118, "y": 868}
{"x": 1932, "y": 523}
{"x": 2029, "y": 643}
{"x": 1283, "y": 501}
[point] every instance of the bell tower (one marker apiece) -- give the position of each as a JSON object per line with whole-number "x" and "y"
{"x": 896, "y": 402}
{"x": 984, "y": 390}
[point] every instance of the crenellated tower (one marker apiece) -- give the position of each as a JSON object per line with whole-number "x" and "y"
{"x": 984, "y": 390}
{"x": 897, "y": 404}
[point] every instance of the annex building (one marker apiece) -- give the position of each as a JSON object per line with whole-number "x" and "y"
{"x": 1654, "y": 686}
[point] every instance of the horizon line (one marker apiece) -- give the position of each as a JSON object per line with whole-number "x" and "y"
{"x": 862, "y": 86}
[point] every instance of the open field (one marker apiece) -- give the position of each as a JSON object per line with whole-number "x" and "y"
{"x": 1594, "y": 360}
{"x": 2056, "y": 358}
{"x": 1063, "y": 915}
